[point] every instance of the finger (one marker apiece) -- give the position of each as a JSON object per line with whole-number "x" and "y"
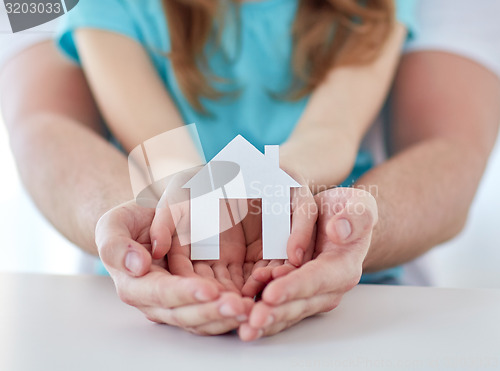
{"x": 266, "y": 316}
{"x": 266, "y": 320}
{"x": 247, "y": 269}
{"x": 224, "y": 326}
{"x": 317, "y": 305}
{"x": 203, "y": 269}
{"x": 265, "y": 274}
{"x": 248, "y": 333}
{"x": 260, "y": 277}
{"x": 236, "y": 273}
{"x": 254, "y": 251}
{"x": 221, "y": 273}
{"x": 229, "y": 306}
{"x": 163, "y": 227}
{"x": 162, "y": 231}
{"x": 304, "y": 216}
{"x": 328, "y": 273}
{"x": 172, "y": 215}
{"x": 159, "y": 288}
{"x": 283, "y": 270}
{"x": 252, "y": 225}
{"x": 180, "y": 264}
{"x": 215, "y": 328}
{"x": 252, "y": 287}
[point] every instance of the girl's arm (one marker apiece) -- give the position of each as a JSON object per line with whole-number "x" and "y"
{"x": 128, "y": 90}
{"x": 323, "y": 147}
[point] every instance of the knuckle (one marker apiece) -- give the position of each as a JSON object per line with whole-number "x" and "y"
{"x": 198, "y": 332}
{"x": 103, "y": 221}
{"x": 105, "y": 251}
{"x": 203, "y": 333}
{"x": 352, "y": 281}
{"x": 175, "y": 319}
{"x": 330, "y": 305}
{"x": 157, "y": 297}
{"x": 125, "y": 296}
{"x": 351, "y": 276}
{"x": 349, "y": 285}
{"x": 153, "y": 319}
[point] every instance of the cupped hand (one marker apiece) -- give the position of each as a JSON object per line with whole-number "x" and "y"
{"x": 241, "y": 267}
{"x": 347, "y": 217}
{"x": 300, "y": 245}
{"x": 142, "y": 250}
{"x": 193, "y": 303}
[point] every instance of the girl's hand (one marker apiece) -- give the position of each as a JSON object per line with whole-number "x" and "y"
{"x": 300, "y": 246}
{"x": 241, "y": 268}
{"x": 346, "y": 221}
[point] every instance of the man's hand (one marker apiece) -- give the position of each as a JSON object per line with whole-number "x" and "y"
{"x": 346, "y": 220}
{"x": 193, "y": 303}
{"x": 143, "y": 251}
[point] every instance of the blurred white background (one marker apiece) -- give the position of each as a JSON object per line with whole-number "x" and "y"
{"x": 31, "y": 244}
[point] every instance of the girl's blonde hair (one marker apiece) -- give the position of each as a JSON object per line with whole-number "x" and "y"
{"x": 325, "y": 33}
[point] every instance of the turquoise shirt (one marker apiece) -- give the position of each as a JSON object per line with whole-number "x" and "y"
{"x": 257, "y": 64}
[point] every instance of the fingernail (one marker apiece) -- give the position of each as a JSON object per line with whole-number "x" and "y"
{"x": 260, "y": 333}
{"x": 300, "y": 255}
{"x": 343, "y": 228}
{"x": 241, "y": 318}
{"x": 201, "y": 296}
{"x": 133, "y": 262}
{"x": 155, "y": 243}
{"x": 269, "y": 321}
{"x": 227, "y": 311}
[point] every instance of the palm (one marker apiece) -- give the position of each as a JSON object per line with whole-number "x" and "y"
{"x": 240, "y": 253}
{"x": 241, "y": 267}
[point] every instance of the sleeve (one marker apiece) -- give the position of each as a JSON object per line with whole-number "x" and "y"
{"x": 406, "y": 14}
{"x": 107, "y": 15}
{"x": 469, "y": 29}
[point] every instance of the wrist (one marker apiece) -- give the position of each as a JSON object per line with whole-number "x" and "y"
{"x": 320, "y": 166}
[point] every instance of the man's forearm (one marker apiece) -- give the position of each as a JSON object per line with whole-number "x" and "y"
{"x": 423, "y": 197}
{"x": 73, "y": 175}
{"x": 446, "y": 114}
{"x": 71, "y": 172}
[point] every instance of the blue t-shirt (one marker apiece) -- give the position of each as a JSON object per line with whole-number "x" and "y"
{"x": 257, "y": 64}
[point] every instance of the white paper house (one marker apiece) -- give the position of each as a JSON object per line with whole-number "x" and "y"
{"x": 240, "y": 171}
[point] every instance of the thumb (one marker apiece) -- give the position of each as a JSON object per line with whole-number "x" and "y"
{"x": 115, "y": 243}
{"x": 125, "y": 255}
{"x": 354, "y": 218}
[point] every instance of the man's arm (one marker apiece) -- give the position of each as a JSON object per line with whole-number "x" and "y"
{"x": 446, "y": 118}
{"x": 73, "y": 175}
{"x": 446, "y": 114}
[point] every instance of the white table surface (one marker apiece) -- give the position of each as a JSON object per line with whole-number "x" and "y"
{"x": 78, "y": 323}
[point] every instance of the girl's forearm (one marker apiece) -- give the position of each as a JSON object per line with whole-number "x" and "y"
{"x": 321, "y": 158}
{"x": 325, "y": 142}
